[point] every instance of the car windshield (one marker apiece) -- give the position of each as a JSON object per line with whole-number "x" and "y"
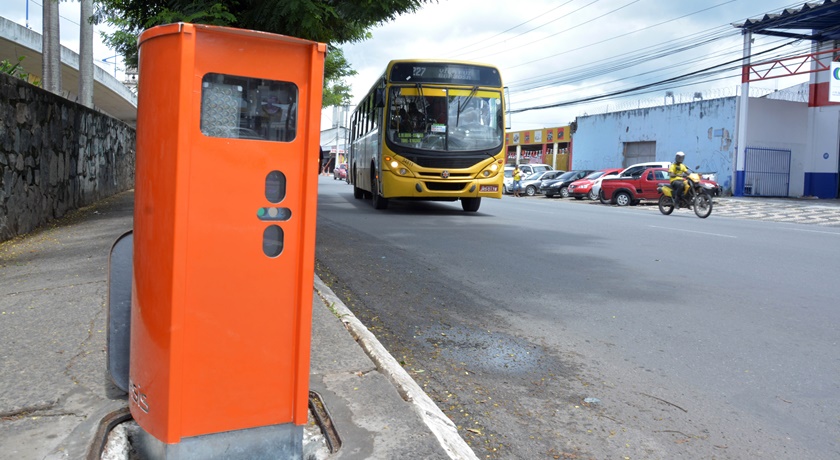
{"x": 594, "y": 175}
{"x": 568, "y": 175}
{"x": 534, "y": 176}
{"x": 508, "y": 173}
{"x": 445, "y": 119}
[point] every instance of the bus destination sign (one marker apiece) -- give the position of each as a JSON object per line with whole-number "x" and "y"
{"x": 431, "y": 72}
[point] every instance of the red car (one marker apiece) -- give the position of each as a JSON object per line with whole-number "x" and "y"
{"x": 340, "y": 172}
{"x": 583, "y": 188}
{"x": 631, "y": 190}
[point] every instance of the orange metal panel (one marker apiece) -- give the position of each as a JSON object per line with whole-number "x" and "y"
{"x": 220, "y": 330}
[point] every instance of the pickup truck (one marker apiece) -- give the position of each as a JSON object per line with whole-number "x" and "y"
{"x": 631, "y": 190}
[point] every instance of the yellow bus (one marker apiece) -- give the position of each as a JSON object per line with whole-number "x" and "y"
{"x": 429, "y": 130}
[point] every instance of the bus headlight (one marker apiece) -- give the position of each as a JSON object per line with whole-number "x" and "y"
{"x": 403, "y": 171}
{"x": 494, "y": 167}
{"x": 394, "y": 164}
{"x": 487, "y": 173}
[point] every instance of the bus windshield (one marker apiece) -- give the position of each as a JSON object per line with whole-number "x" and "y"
{"x": 445, "y": 119}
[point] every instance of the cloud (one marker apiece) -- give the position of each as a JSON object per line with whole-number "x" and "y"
{"x": 535, "y": 41}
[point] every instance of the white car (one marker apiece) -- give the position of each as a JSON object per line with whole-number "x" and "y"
{"x": 638, "y": 168}
{"x": 507, "y": 182}
{"x": 531, "y": 168}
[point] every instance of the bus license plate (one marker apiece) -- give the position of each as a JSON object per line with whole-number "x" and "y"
{"x": 489, "y": 188}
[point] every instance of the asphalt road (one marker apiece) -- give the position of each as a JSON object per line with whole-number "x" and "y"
{"x": 562, "y": 329}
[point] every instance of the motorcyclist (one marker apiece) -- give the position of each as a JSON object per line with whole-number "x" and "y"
{"x": 676, "y": 173}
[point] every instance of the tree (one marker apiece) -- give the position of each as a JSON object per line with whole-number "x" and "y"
{"x": 334, "y": 22}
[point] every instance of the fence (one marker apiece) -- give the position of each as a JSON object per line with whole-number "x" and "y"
{"x": 766, "y": 172}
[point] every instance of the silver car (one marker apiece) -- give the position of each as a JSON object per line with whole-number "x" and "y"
{"x": 531, "y": 185}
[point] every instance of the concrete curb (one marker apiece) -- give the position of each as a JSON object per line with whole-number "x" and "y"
{"x": 441, "y": 426}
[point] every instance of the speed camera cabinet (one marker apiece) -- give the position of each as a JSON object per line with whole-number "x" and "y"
{"x": 228, "y": 135}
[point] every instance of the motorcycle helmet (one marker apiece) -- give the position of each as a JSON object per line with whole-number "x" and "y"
{"x": 678, "y": 159}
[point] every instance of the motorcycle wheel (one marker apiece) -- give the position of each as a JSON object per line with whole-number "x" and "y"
{"x": 702, "y": 205}
{"x": 666, "y": 204}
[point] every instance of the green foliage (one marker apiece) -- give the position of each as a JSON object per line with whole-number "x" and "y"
{"x": 328, "y": 21}
{"x": 15, "y": 69}
{"x": 336, "y": 68}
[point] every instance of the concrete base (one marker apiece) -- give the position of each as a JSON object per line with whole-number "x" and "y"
{"x": 262, "y": 443}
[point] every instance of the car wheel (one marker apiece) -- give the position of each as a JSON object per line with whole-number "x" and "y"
{"x": 603, "y": 198}
{"x": 564, "y": 192}
{"x": 592, "y": 195}
{"x": 623, "y": 198}
{"x": 530, "y": 190}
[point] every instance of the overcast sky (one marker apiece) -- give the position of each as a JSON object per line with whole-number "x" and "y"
{"x": 564, "y": 50}
{"x": 549, "y": 52}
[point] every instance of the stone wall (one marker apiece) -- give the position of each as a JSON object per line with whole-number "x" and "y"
{"x": 56, "y": 156}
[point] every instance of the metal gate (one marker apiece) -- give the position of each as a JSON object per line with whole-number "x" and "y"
{"x": 766, "y": 172}
{"x": 639, "y": 152}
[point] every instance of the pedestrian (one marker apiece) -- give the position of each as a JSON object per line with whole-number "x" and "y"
{"x": 325, "y": 158}
{"x": 517, "y": 177}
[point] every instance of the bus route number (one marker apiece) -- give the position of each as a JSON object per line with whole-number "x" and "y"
{"x": 419, "y": 71}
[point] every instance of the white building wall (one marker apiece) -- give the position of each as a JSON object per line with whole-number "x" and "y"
{"x": 824, "y": 140}
{"x": 704, "y": 130}
{"x": 782, "y": 125}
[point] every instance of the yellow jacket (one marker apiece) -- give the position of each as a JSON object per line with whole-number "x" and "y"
{"x": 675, "y": 171}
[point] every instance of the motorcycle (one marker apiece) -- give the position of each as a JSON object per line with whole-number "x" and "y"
{"x": 696, "y": 194}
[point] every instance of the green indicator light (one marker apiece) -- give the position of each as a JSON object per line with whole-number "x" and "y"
{"x": 260, "y": 212}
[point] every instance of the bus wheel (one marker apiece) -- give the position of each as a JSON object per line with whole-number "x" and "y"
{"x": 379, "y": 202}
{"x": 470, "y": 204}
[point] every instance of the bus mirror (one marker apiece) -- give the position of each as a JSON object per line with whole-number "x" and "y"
{"x": 379, "y": 98}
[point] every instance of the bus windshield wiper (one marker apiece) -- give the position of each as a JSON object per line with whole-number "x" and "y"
{"x": 463, "y": 105}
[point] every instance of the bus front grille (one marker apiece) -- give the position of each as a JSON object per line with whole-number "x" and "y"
{"x": 446, "y": 186}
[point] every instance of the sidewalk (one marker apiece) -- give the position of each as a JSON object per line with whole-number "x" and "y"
{"x": 56, "y": 396}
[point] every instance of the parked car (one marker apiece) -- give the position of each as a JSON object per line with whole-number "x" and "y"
{"x": 507, "y": 182}
{"x": 637, "y": 169}
{"x": 340, "y": 172}
{"x": 560, "y": 184}
{"x": 531, "y": 184}
{"x": 531, "y": 168}
{"x": 589, "y": 186}
{"x": 630, "y": 190}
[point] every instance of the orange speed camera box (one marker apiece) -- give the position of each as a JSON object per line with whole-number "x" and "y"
{"x": 228, "y": 134}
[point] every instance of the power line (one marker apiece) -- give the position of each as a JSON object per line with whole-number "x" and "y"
{"x": 455, "y": 53}
{"x": 566, "y": 30}
{"x": 622, "y": 35}
{"x": 716, "y": 68}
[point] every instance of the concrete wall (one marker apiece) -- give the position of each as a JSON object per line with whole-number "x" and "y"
{"x": 55, "y": 156}
{"x": 704, "y": 130}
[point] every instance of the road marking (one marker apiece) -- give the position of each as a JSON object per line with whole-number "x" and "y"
{"x": 694, "y": 231}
